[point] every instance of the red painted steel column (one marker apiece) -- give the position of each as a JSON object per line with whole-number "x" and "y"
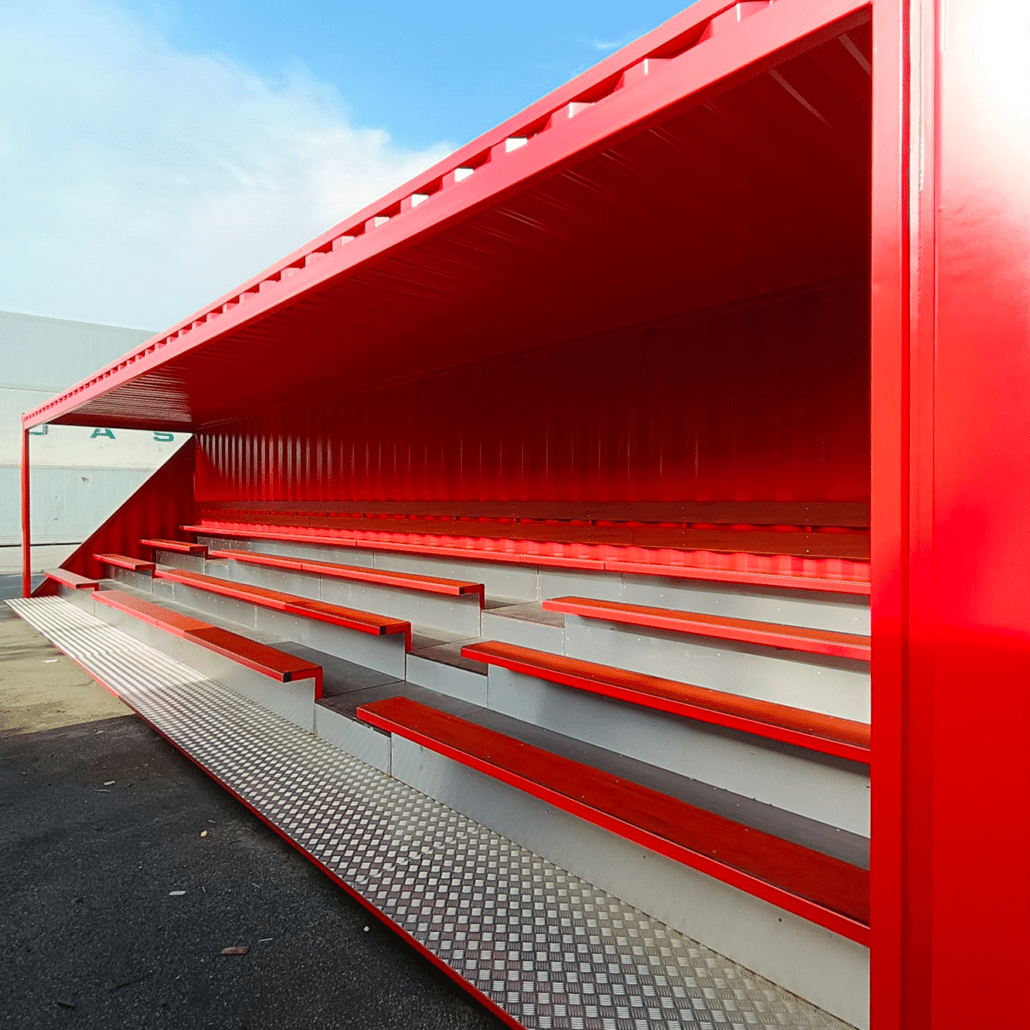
{"x": 976, "y": 618}
{"x": 26, "y": 528}
{"x": 950, "y": 494}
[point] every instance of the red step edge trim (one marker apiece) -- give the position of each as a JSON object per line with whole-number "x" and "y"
{"x": 745, "y": 631}
{"x": 850, "y": 750}
{"x": 703, "y": 570}
{"x": 746, "y": 882}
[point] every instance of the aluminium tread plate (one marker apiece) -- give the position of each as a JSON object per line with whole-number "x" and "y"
{"x": 543, "y": 948}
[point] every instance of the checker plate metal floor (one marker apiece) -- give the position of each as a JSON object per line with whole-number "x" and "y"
{"x": 542, "y": 947}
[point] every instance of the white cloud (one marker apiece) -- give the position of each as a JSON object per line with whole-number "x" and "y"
{"x": 139, "y": 182}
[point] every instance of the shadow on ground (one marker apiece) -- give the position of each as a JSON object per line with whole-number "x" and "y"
{"x": 100, "y": 822}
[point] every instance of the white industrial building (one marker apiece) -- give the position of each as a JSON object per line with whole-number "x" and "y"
{"x": 80, "y": 476}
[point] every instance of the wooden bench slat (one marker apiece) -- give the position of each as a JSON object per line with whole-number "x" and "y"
{"x": 719, "y": 627}
{"x": 814, "y": 731}
{"x": 348, "y": 618}
{"x": 818, "y": 887}
{"x": 356, "y": 573}
{"x": 122, "y": 561}
{"x": 71, "y": 579}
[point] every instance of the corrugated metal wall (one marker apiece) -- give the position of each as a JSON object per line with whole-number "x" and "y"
{"x": 763, "y": 400}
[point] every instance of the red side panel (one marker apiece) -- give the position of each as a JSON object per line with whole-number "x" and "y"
{"x": 159, "y": 507}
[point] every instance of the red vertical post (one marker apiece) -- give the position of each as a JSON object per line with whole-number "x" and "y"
{"x": 891, "y": 989}
{"x": 26, "y": 527}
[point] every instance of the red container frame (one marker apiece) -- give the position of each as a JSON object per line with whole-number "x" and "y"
{"x": 950, "y": 469}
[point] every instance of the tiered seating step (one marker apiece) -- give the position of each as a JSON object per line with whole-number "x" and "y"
{"x": 827, "y": 734}
{"x": 817, "y": 886}
{"x": 732, "y": 565}
{"x": 121, "y": 561}
{"x": 380, "y": 577}
{"x": 179, "y": 546}
{"x": 348, "y": 618}
{"x": 72, "y": 580}
{"x": 269, "y": 661}
{"x": 766, "y": 634}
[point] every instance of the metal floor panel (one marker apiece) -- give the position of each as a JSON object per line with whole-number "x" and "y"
{"x": 542, "y": 947}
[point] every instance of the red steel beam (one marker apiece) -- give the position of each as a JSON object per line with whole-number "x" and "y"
{"x": 26, "y": 527}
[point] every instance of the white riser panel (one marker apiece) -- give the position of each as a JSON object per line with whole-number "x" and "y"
{"x": 518, "y": 582}
{"x": 355, "y": 738}
{"x": 830, "y": 685}
{"x": 829, "y": 970}
{"x": 828, "y": 790}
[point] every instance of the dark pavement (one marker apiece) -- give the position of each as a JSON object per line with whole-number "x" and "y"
{"x": 99, "y": 823}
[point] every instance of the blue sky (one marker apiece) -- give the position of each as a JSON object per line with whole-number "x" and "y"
{"x": 154, "y": 153}
{"x": 425, "y": 72}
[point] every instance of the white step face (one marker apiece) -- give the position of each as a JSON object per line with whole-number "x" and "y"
{"x": 833, "y": 686}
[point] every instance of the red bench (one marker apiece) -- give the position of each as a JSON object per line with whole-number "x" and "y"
{"x": 380, "y": 577}
{"x": 121, "y": 561}
{"x": 348, "y": 618}
{"x": 826, "y": 734}
{"x": 818, "y": 887}
{"x": 71, "y": 579}
{"x": 767, "y": 634}
{"x": 262, "y": 658}
{"x": 179, "y": 546}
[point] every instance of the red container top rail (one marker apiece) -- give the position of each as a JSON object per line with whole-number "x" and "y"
{"x": 387, "y": 279}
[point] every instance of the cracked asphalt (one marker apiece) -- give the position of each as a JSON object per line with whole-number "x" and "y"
{"x": 124, "y": 872}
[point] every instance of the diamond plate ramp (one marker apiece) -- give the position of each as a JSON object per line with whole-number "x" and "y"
{"x": 539, "y": 946}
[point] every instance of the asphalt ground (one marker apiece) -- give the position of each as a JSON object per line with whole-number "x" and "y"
{"x": 101, "y": 821}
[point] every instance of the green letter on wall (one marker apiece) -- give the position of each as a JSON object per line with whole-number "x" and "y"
{"x": 102, "y": 432}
